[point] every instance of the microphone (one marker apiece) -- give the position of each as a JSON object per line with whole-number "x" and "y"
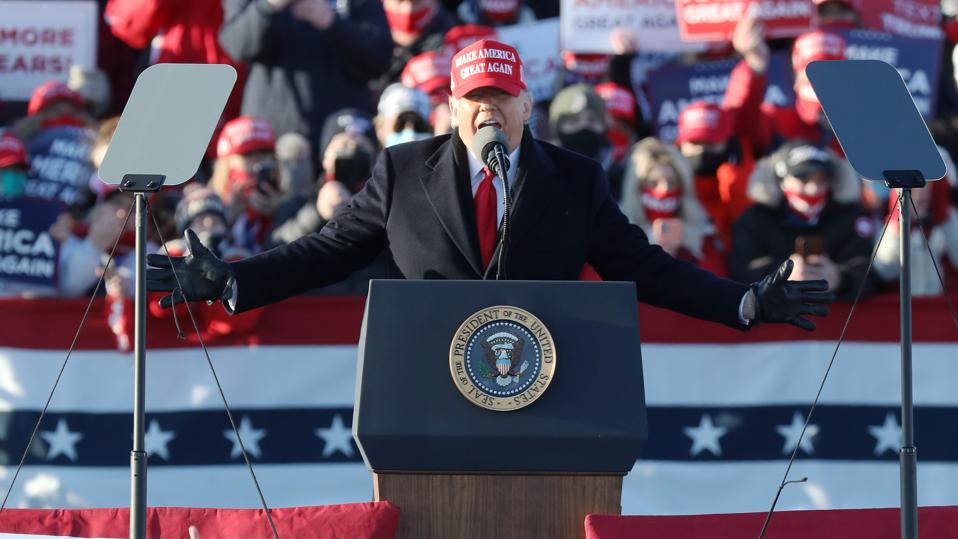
{"x": 490, "y": 145}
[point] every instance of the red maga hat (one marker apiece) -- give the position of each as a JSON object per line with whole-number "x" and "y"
{"x": 12, "y": 151}
{"x": 487, "y": 63}
{"x": 618, "y": 101}
{"x": 817, "y": 45}
{"x": 51, "y": 92}
{"x": 428, "y": 71}
{"x": 704, "y": 123}
{"x": 244, "y": 135}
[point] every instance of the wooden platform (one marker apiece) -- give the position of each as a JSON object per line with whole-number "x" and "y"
{"x": 497, "y": 506}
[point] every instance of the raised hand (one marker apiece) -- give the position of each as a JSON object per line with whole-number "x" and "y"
{"x": 199, "y": 275}
{"x": 784, "y": 301}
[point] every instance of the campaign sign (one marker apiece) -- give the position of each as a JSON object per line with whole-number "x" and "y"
{"x": 715, "y": 20}
{"x": 587, "y": 25}
{"x": 59, "y": 163}
{"x": 538, "y": 46}
{"x": 28, "y": 254}
{"x": 910, "y": 18}
{"x": 918, "y": 61}
{"x": 671, "y": 88}
{"x": 40, "y": 40}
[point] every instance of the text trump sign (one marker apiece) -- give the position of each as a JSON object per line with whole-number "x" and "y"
{"x": 715, "y": 20}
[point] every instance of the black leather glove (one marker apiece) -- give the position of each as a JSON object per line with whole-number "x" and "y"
{"x": 781, "y": 300}
{"x": 199, "y": 276}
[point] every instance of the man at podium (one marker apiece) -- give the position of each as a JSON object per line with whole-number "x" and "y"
{"x": 438, "y": 210}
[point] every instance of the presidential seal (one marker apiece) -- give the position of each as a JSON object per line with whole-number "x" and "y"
{"x": 502, "y": 358}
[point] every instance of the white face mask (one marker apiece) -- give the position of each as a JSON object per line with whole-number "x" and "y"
{"x": 406, "y": 135}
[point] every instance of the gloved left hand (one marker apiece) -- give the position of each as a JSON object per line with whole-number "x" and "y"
{"x": 199, "y": 276}
{"x": 779, "y": 300}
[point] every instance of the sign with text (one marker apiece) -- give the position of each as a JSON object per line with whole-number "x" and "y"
{"x": 60, "y": 163}
{"x": 911, "y": 18}
{"x": 538, "y": 46}
{"x": 671, "y": 88}
{"x": 715, "y": 20}
{"x": 40, "y": 40}
{"x": 588, "y": 24}
{"x": 28, "y": 254}
{"x": 918, "y": 61}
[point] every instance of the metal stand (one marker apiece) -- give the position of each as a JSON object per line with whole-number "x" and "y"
{"x": 908, "y": 454}
{"x": 139, "y": 185}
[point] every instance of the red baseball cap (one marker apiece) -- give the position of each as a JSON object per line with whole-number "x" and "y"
{"x": 51, "y": 92}
{"x": 428, "y": 71}
{"x": 487, "y": 63}
{"x": 704, "y": 123}
{"x": 816, "y": 45}
{"x": 588, "y": 66}
{"x": 618, "y": 100}
{"x": 12, "y": 151}
{"x": 245, "y": 134}
{"x": 460, "y": 37}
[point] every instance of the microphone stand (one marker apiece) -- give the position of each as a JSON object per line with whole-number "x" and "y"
{"x": 502, "y": 167}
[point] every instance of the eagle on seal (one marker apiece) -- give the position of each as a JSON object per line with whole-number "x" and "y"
{"x": 502, "y": 353}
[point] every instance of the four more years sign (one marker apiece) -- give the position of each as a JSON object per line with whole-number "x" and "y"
{"x": 28, "y": 255}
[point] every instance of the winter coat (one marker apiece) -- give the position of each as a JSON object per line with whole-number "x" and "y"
{"x": 764, "y": 236}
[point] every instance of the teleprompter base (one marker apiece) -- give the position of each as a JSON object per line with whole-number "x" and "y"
{"x": 478, "y": 506}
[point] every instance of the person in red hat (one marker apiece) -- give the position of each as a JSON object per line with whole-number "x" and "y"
{"x": 429, "y": 72}
{"x": 762, "y": 124}
{"x": 437, "y": 211}
{"x": 52, "y": 104}
{"x": 416, "y": 27}
{"x": 246, "y": 177}
{"x": 13, "y": 166}
{"x": 720, "y": 165}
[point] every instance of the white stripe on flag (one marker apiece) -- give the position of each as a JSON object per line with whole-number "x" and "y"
{"x": 670, "y": 488}
{"x": 180, "y": 380}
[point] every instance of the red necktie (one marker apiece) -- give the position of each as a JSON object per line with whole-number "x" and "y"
{"x": 486, "y": 216}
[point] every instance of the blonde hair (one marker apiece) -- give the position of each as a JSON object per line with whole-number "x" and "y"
{"x": 648, "y": 154}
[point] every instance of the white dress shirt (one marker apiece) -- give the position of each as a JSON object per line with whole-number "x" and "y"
{"x": 475, "y": 172}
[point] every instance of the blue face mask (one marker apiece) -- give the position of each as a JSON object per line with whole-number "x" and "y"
{"x": 406, "y": 135}
{"x": 12, "y": 182}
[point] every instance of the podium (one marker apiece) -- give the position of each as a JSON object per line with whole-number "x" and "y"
{"x": 456, "y": 463}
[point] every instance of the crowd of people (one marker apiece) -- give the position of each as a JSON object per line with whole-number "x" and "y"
{"x": 325, "y": 86}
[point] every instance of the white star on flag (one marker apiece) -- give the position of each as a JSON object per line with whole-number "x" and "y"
{"x": 336, "y": 438}
{"x": 793, "y": 431}
{"x": 250, "y": 436}
{"x": 705, "y": 436}
{"x": 62, "y": 441}
{"x": 155, "y": 440}
{"x": 887, "y": 436}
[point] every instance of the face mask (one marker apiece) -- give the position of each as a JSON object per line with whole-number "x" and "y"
{"x": 707, "y": 163}
{"x": 620, "y": 143}
{"x": 498, "y": 11}
{"x": 660, "y": 205}
{"x": 807, "y": 105}
{"x": 213, "y": 239}
{"x": 808, "y": 207}
{"x": 406, "y": 135}
{"x": 64, "y": 120}
{"x": 412, "y": 22}
{"x": 12, "y": 182}
{"x": 585, "y": 142}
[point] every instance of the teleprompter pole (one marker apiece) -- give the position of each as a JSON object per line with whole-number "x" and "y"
{"x": 908, "y": 453}
{"x": 138, "y": 455}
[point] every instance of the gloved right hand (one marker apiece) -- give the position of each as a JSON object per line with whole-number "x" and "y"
{"x": 199, "y": 276}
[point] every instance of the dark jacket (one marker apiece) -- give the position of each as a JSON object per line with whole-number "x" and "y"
{"x": 419, "y": 205}
{"x": 764, "y": 235}
{"x": 299, "y": 74}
